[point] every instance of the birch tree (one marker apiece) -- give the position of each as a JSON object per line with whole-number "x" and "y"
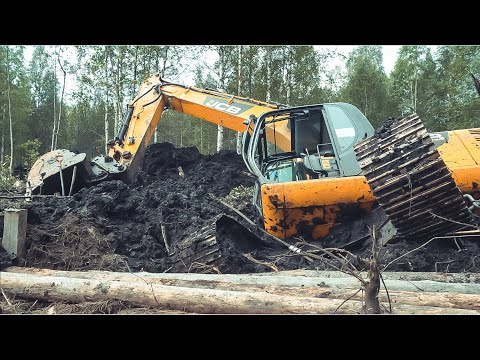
{"x": 366, "y": 85}
{"x": 61, "y": 102}
{"x": 106, "y": 89}
{"x": 54, "y": 100}
{"x": 239, "y": 90}
{"x": 9, "y": 110}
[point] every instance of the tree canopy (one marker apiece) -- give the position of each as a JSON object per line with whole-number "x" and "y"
{"x": 436, "y": 86}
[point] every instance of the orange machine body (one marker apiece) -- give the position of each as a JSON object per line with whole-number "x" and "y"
{"x": 288, "y": 207}
{"x": 315, "y": 206}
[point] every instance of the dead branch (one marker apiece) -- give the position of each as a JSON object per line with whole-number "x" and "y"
{"x": 164, "y": 237}
{"x": 453, "y": 221}
{"x": 409, "y": 252}
{"x": 347, "y": 299}
{"x": 239, "y": 213}
{"x": 264, "y": 263}
{"x": 6, "y": 297}
{"x": 443, "y": 262}
{"x": 388, "y": 295}
{"x": 350, "y": 269}
{"x": 372, "y": 287}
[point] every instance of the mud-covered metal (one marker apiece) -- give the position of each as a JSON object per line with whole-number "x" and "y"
{"x": 411, "y": 181}
{"x": 201, "y": 248}
{"x": 48, "y": 165}
{"x": 310, "y": 208}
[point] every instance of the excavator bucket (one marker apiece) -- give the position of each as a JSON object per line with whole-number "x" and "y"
{"x": 57, "y": 171}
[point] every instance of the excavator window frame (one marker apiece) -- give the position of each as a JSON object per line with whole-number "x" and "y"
{"x": 257, "y": 147}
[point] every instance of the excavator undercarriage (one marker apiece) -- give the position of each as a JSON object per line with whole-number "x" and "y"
{"x": 411, "y": 181}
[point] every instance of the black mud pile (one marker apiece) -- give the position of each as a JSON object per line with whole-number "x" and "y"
{"x": 5, "y": 259}
{"x": 118, "y": 227}
{"x": 441, "y": 255}
{"x": 174, "y": 188}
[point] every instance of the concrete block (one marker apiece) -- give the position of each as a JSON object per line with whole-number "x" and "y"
{"x": 15, "y": 231}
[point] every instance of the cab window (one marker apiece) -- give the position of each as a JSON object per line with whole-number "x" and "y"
{"x": 344, "y": 128}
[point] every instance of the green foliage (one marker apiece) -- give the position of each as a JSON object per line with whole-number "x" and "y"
{"x": 6, "y": 178}
{"x": 19, "y": 97}
{"x": 366, "y": 85}
{"x": 439, "y": 88}
{"x": 29, "y": 152}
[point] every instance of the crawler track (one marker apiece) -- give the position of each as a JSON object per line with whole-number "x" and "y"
{"x": 411, "y": 181}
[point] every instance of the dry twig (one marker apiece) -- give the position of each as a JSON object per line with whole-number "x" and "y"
{"x": 351, "y": 296}
{"x": 164, "y": 237}
{"x": 264, "y": 263}
{"x": 6, "y": 298}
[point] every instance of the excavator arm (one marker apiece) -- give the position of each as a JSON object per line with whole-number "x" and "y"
{"x": 68, "y": 171}
{"x": 156, "y": 95}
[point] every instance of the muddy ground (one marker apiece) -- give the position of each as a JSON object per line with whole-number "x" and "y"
{"x": 117, "y": 226}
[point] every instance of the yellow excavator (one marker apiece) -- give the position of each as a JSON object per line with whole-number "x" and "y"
{"x": 317, "y": 166}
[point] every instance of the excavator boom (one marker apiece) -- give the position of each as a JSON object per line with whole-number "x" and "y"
{"x": 126, "y": 151}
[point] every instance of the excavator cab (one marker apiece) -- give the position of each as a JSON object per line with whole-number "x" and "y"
{"x": 307, "y": 142}
{"x": 297, "y": 155}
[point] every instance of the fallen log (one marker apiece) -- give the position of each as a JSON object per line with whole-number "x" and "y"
{"x": 209, "y": 301}
{"x": 389, "y": 275}
{"x": 346, "y": 282}
{"x": 398, "y": 298}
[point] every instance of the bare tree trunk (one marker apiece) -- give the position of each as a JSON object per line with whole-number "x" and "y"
{"x": 61, "y": 104}
{"x": 250, "y": 70}
{"x": 165, "y": 59}
{"x": 120, "y": 99}
{"x": 2, "y": 149}
{"x": 269, "y": 75}
{"x": 372, "y": 287}
{"x": 415, "y": 97}
{"x": 54, "y": 100}
{"x": 239, "y": 90}
{"x": 134, "y": 73}
{"x": 32, "y": 283}
{"x": 117, "y": 90}
{"x": 181, "y": 132}
{"x": 289, "y": 74}
{"x": 221, "y": 74}
{"x": 9, "y": 111}
{"x": 366, "y": 102}
{"x": 106, "y": 100}
{"x": 219, "y": 138}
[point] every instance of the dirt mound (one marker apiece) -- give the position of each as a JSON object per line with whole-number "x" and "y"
{"x": 118, "y": 226}
{"x": 172, "y": 190}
